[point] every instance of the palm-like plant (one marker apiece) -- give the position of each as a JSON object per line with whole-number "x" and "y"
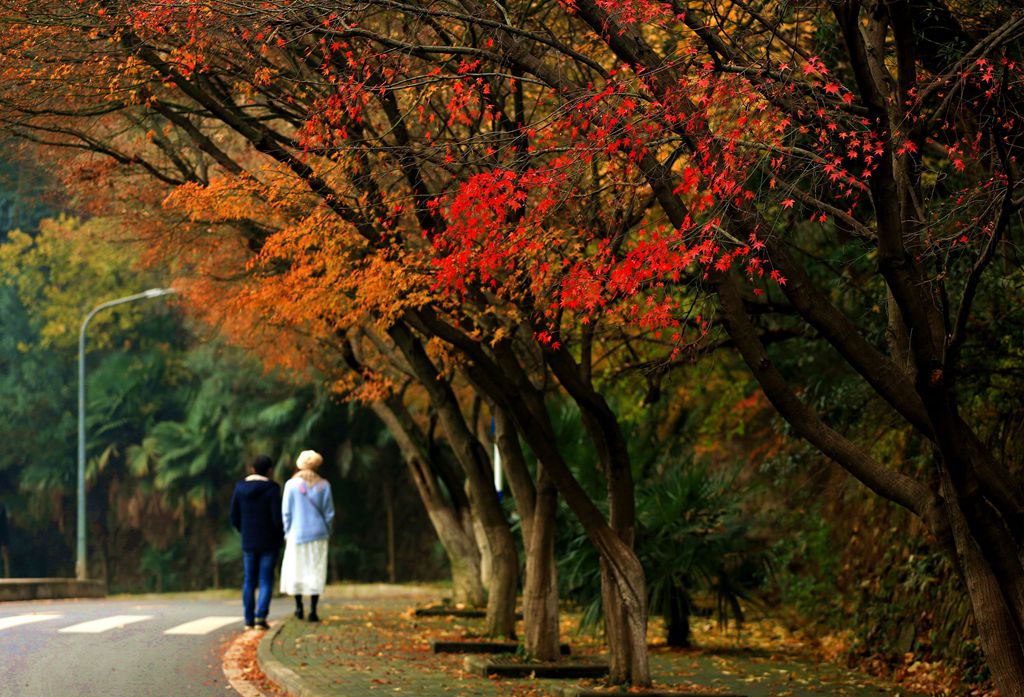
{"x": 691, "y": 539}
{"x": 235, "y": 410}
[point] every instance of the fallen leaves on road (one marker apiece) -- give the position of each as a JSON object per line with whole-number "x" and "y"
{"x": 247, "y": 645}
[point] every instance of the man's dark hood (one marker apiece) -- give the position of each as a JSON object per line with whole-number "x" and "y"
{"x": 253, "y": 489}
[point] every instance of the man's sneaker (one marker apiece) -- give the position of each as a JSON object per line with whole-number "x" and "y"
{"x": 261, "y": 623}
{"x": 248, "y": 627}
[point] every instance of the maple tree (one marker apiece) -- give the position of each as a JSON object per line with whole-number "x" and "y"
{"x": 532, "y": 184}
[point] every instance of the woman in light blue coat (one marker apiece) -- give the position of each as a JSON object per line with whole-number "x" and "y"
{"x": 307, "y": 511}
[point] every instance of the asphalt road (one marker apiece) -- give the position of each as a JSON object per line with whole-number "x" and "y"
{"x": 119, "y": 648}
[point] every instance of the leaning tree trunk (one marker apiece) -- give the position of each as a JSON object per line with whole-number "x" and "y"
{"x": 483, "y": 546}
{"x": 478, "y": 598}
{"x": 501, "y": 597}
{"x": 504, "y": 380}
{"x": 623, "y": 587}
{"x": 450, "y": 475}
{"x": 619, "y": 645}
{"x": 986, "y": 548}
{"x": 623, "y": 590}
{"x": 998, "y": 631}
{"x": 537, "y": 504}
{"x": 460, "y": 548}
{"x": 626, "y": 627}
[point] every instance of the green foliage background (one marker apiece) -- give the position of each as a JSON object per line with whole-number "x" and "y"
{"x": 171, "y": 420}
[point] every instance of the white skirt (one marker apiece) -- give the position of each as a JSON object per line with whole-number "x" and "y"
{"x": 304, "y": 568}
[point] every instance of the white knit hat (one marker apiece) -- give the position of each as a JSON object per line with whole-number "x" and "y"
{"x": 309, "y": 460}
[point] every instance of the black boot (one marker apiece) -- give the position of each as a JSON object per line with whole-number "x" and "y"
{"x": 313, "y": 600}
{"x": 298, "y": 607}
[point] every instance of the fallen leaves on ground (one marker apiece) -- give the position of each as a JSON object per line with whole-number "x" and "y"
{"x": 250, "y": 667}
{"x": 776, "y": 641}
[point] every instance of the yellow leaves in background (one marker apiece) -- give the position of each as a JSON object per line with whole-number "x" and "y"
{"x": 68, "y": 268}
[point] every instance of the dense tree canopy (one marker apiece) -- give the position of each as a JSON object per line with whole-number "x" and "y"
{"x": 521, "y": 195}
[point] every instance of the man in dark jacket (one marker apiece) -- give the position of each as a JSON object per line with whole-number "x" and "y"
{"x": 256, "y": 513}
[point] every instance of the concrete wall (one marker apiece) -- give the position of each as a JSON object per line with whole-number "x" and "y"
{"x": 47, "y": 588}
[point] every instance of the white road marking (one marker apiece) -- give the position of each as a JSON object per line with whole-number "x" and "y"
{"x": 17, "y": 620}
{"x": 105, "y": 624}
{"x": 204, "y": 625}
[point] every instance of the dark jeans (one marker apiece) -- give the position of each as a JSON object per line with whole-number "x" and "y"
{"x": 259, "y": 566}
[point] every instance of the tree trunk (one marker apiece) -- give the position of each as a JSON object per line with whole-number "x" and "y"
{"x": 389, "y": 513}
{"x": 505, "y": 381}
{"x": 484, "y": 546}
{"x": 214, "y": 563}
{"x": 897, "y": 337}
{"x": 460, "y": 548}
{"x": 625, "y": 616}
{"x": 986, "y": 547}
{"x": 623, "y": 586}
{"x": 478, "y": 598}
{"x": 625, "y": 622}
{"x": 501, "y": 597}
{"x": 997, "y": 628}
{"x": 536, "y": 504}
{"x": 677, "y": 621}
{"x": 615, "y": 628}
{"x": 540, "y": 587}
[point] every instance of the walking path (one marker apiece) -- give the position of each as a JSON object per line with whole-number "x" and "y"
{"x": 370, "y": 643}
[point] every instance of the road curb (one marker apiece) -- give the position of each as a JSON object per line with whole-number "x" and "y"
{"x": 234, "y": 670}
{"x": 285, "y": 678}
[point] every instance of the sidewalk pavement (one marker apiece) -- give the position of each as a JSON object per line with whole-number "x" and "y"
{"x": 369, "y": 643}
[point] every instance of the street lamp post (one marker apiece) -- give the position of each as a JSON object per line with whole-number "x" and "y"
{"x": 80, "y": 569}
